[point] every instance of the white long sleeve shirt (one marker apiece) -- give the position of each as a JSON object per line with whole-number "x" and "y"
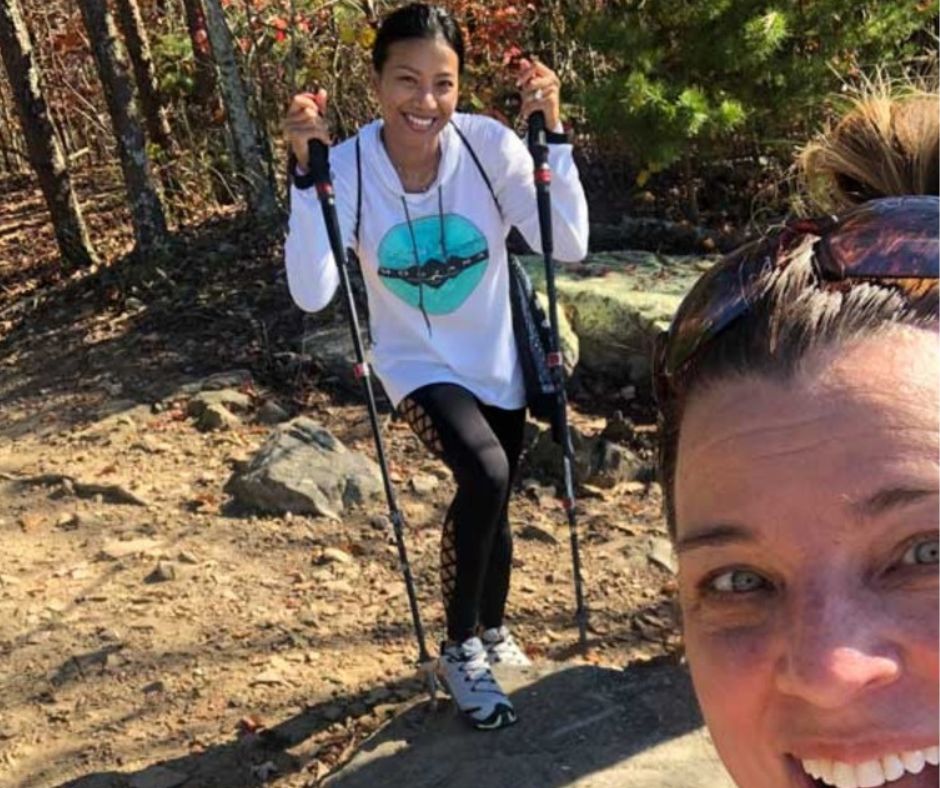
{"x": 435, "y": 264}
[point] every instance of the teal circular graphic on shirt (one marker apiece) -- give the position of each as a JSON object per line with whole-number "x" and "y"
{"x": 435, "y": 264}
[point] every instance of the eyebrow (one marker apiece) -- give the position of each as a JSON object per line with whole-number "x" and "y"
{"x": 417, "y": 72}
{"x": 714, "y": 536}
{"x": 891, "y": 498}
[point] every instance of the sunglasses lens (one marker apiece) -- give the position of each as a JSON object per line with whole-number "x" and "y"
{"x": 722, "y": 295}
{"x": 890, "y": 238}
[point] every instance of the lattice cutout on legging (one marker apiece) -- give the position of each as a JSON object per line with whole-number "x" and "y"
{"x": 448, "y": 562}
{"x": 421, "y": 423}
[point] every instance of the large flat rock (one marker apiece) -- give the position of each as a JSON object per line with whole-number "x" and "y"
{"x": 617, "y": 302}
{"x": 581, "y": 726}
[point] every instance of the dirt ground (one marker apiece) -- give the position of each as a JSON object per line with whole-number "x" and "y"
{"x": 144, "y": 620}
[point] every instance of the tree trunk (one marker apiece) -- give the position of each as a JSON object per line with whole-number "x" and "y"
{"x": 245, "y": 136}
{"x": 45, "y": 153}
{"x": 691, "y": 190}
{"x": 146, "y": 209}
{"x": 138, "y": 47}
{"x": 202, "y": 51}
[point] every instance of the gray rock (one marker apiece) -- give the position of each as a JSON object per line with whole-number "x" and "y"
{"x": 424, "y": 484}
{"x": 272, "y": 413}
{"x": 116, "y": 549}
{"x": 617, "y": 302}
{"x": 303, "y": 469}
{"x": 217, "y": 417}
{"x": 163, "y": 572}
{"x": 331, "y": 349}
{"x": 232, "y": 400}
{"x": 333, "y": 555}
{"x": 661, "y": 553}
{"x": 233, "y": 379}
{"x": 612, "y": 463}
{"x": 598, "y": 461}
{"x": 579, "y": 727}
{"x": 537, "y": 534}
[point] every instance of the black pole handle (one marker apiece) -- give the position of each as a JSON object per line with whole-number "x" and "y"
{"x": 537, "y": 131}
{"x": 319, "y": 161}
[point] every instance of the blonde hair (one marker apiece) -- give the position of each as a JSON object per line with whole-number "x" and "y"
{"x": 885, "y": 145}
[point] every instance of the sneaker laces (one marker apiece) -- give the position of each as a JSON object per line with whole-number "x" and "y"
{"x": 475, "y": 666}
{"x": 502, "y": 645}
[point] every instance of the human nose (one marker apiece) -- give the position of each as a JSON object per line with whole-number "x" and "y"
{"x": 836, "y": 651}
{"x": 426, "y": 97}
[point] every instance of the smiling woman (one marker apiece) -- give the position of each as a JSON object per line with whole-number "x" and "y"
{"x": 800, "y": 394}
{"x": 426, "y": 197}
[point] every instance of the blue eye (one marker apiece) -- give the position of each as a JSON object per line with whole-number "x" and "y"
{"x": 737, "y": 581}
{"x": 926, "y": 551}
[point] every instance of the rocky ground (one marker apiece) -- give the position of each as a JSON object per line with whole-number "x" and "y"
{"x": 153, "y": 631}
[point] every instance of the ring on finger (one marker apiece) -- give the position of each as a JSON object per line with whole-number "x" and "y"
{"x": 537, "y": 95}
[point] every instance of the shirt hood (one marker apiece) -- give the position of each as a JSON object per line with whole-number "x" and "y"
{"x": 378, "y": 167}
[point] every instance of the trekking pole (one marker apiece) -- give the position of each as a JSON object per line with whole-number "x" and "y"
{"x": 320, "y": 167}
{"x": 538, "y": 147}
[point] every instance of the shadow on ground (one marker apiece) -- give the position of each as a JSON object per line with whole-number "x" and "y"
{"x": 584, "y": 726}
{"x": 579, "y": 726}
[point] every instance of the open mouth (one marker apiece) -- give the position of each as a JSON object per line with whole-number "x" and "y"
{"x": 910, "y": 769}
{"x": 418, "y": 123}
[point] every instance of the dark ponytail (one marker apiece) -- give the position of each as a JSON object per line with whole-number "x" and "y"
{"x": 417, "y": 20}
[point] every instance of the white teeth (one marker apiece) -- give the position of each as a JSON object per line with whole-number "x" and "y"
{"x": 825, "y": 771}
{"x": 893, "y": 767}
{"x": 914, "y": 761}
{"x": 425, "y": 122}
{"x": 873, "y": 773}
{"x": 843, "y": 775}
{"x": 869, "y": 774}
{"x": 811, "y": 767}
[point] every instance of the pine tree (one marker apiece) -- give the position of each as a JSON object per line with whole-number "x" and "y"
{"x": 685, "y": 76}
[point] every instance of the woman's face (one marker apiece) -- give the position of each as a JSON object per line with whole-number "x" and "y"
{"x": 807, "y": 523}
{"x": 417, "y": 90}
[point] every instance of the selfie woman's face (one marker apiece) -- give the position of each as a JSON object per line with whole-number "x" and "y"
{"x": 417, "y": 90}
{"x": 807, "y": 523}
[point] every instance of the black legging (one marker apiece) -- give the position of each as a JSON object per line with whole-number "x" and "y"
{"x": 481, "y": 445}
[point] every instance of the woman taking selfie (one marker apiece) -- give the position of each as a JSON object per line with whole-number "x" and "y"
{"x": 800, "y": 393}
{"x": 426, "y": 197}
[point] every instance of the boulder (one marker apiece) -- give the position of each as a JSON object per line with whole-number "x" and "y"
{"x": 303, "y": 469}
{"x": 234, "y": 401}
{"x": 217, "y": 417}
{"x": 331, "y": 350}
{"x": 272, "y": 413}
{"x": 617, "y": 303}
{"x": 597, "y": 460}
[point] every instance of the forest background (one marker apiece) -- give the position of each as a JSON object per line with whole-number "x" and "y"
{"x": 153, "y": 630}
{"x": 167, "y": 111}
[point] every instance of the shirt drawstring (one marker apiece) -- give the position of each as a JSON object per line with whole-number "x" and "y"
{"x": 414, "y": 247}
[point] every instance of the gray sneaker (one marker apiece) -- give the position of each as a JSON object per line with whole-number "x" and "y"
{"x": 466, "y": 673}
{"x": 502, "y": 649}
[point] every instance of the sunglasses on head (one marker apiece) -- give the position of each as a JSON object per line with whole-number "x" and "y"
{"x": 892, "y": 241}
